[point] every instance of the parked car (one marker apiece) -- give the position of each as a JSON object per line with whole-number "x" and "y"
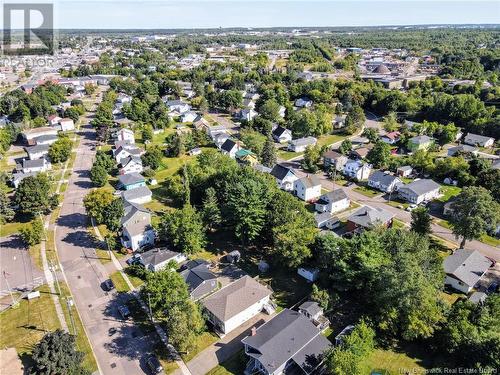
{"x": 108, "y": 285}
{"x": 349, "y": 183}
{"x": 154, "y": 364}
{"x": 124, "y": 311}
{"x": 134, "y": 259}
{"x": 411, "y": 207}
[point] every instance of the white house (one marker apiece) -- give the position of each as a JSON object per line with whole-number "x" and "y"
{"x": 285, "y": 177}
{"x": 357, "y": 169}
{"x": 138, "y": 195}
{"x": 37, "y": 165}
{"x": 391, "y": 137}
{"x": 464, "y": 268}
{"x": 19, "y": 176}
{"x": 125, "y": 135}
{"x": 419, "y": 191}
{"x": 307, "y": 188}
{"x": 155, "y": 260}
{"x": 326, "y": 220}
{"x": 303, "y": 103}
{"x": 478, "y": 140}
{"x": 235, "y": 304}
{"x": 300, "y": 144}
{"x": 281, "y": 134}
{"x": 189, "y": 116}
{"x": 404, "y": 171}
{"x": 137, "y": 231}
{"x": 37, "y": 152}
{"x": 131, "y": 164}
{"x": 230, "y": 148}
{"x": 124, "y": 151}
{"x": 247, "y": 114}
{"x": 333, "y": 201}
{"x": 177, "y": 106}
{"x": 53, "y": 120}
{"x": 384, "y": 181}
{"x": 67, "y": 124}
{"x": 46, "y": 139}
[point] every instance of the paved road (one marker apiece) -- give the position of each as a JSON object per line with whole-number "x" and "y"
{"x": 122, "y": 352}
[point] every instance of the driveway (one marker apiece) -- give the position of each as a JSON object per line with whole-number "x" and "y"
{"x": 225, "y": 348}
{"x": 20, "y": 270}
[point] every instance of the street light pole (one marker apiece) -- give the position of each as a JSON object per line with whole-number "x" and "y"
{"x": 149, "y": 305}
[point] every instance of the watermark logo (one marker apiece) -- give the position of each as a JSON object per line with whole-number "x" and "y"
{"x": 28, "y": 29}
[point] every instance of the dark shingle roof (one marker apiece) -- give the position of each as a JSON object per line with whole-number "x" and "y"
{"x": 195, "y": 276}
{"x": 420, "y": 187}
{"x": 279, "y": 171}
{"x": 382, "y": 178}
{"x": 228, "y": 145}
{"x": 157, "y": 256}
{"x": 368, "y": 216}
{"x": 334, "y": 196}
{"x": 289, "y": 335}
{"x": 130, "y": 179}
{"x": 139, "y": 192}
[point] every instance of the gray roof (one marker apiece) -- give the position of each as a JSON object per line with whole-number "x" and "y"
{"x": 478, "y": 297}
{"x": 130, "y": 179}
{"x": 382, "y": 178}
{"x": 138, "y": 192}
{"x": 46, "y": 137}
{"x": 420, "y": 139}
{"x": 466, "y": 265}
{"x": 310, "y": 181}
{"x": 304, "y": 141}
{"x": 476, "y": 138}
{"x": 195, "y": 276}
{"x": 37, "y": 163}
{"x": 235, "y": 298}
{"x": 262, "y": 168}
{"x": 461, "y": 148}
{"x": 333, "y": 196}
{"x": 288, "y": 336}
{"x": 331, "y": 154}
{"x": 311, "y": 307}
{"x": 128, "y": 159}
{"x": 322, "y": 217}
{"x": 280, "y": 171}
{"x": 157, "y": 256}
{"x": 367, "y": 216}
{"x": 37, "y": 149}
{"x": 420, "y": 187}
{"x": 405, "y": 168}
{"x": 129, "y": 209}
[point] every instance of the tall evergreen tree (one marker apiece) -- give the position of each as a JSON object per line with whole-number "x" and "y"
{"x": 268, "y": 155}
{"x": 211, "y": 212}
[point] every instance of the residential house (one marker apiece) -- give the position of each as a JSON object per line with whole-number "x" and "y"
{"x": 420, "y": 142}
{"x": 311, "y": 274}
{"x": 66, "y": 124}
{"x": 360, "y": 153}
{"x": 156, "y": 260}
{"x": 139, "y": 195}
{"x": 37, "y": 165}
{"x": 334, "y": 159}
{"x": 220, "y": 138}
{"x": 404, "y": 171}
{"x": 124, "y": 151}
{"x": 131, "y": 181}
{"x": 189, "y": 116}
{"x": 462, "y": 149}
{"x": 285, "y": 177}
{"x": 419, "y": 191}
{"x": 477, "y": 298}
{"x": 479, "y": 140}
{"x": 195, "y": 151}
{"x": 47, "y": 139}
{"x": 199, "y": 279}
{"x": 126, "y": 135}
{"x": 130, "y": 164}
{"x": 314, "y": 312}
{"x": 300, "y": 144}
{"x": 53, "y": 120}
{"x": 247, "y": 114}
{"x": 464, "y": 268}
{"x": 19, "y": 176}
{"x": 281, "y": 134}
{"x": 236, "y": 303}
{"x": 246, "y": 157}
{"x": 367, "y": 217}
{"x": 326, "y": 220}
{"x": 288, "y": 343}
{"x": 357, "y": 169}
{"x": 261, "y": 168}
{"x": 307, "y": 188}
{"x": 333, "y": 201}
{"x": 230, "y": 148}
{"x": 37, "y": 152}
{"x": 137, "y": 231}
{"x": 391, "y": 138}
{"x": 384, "y": 181}
{"x": 303, "y": 102}
{"x": 249, "y": 103}
{"x": 339, "y": 121}
{"x": 177, "y": 106}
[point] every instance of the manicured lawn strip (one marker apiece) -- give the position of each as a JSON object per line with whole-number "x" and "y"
{"x": 398, "y": 204}
{"x": 448, "y": 192}
{"x": 36, "y": 256}
{"x": 367, "y": 191}
{"x": 102, "y": 255}
{"x": 120, "y": 283}
{"x": 24, "y": 326}
{"x": 202, "y": 341}
{"x": 327, "y": 140}
{"x": 82, "y": 341}
{"x": 233, "y": 366}
{"x": 287, "y": 155}
{"x": 492, "y": 241}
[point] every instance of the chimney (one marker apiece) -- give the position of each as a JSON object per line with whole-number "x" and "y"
{"x": 254, "y": 331}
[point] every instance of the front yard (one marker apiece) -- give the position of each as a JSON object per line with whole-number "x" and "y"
{"x": 448, "y": 192}
{"x": 367, "y": 191}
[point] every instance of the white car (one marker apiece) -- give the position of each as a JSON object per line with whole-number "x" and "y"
{"x": 411, "y": 207}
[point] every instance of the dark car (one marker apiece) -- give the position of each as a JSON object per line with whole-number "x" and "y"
{"x": 134, "y": 259}
{"x": 349, "y": 183}
{"x": 492, "y": 288}
{"x": 112, "y": 331}
{"x": 108, "y": 285}
{"x": 124, "y": 311}
{"x": 154, "y": 364}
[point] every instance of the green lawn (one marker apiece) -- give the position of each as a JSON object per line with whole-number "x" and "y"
{"x": 24, "y": 326}
{"x": 233, "y": 366}
{"x": 327, "y": 140}
{"x": 398, "y": 204}
{"x": 392, "y": 363}
{"x": 120, "y": 283}
{"x": 102, "y": 255}
{"x": 202, "y": 341}
{"x": 448, "y": 192}
{"x": 489, "y": 240}
{"x": 287, "y": 155}
{"x": 367, "y": 191}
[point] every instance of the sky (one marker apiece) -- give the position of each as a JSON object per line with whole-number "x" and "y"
{"x": 171, "y": 14}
